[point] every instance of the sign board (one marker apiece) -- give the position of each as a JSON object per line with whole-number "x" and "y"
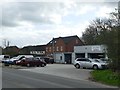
{"x": 96, "y": 48}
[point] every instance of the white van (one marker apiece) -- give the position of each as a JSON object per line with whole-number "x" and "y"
{"x": 20, "y": 57}
{"x": 4, "y": 57}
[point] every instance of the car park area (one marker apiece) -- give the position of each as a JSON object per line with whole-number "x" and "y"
{"x": 62, "y": 70}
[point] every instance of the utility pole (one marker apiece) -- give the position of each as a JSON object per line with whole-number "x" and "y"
{"x": 6, "y": 43}
{"x": 119, "y": 13}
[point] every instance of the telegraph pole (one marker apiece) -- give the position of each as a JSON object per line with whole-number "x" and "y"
{"x": 119, "y": 13}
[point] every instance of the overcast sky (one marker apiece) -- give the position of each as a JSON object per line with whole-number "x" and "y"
{"x": 37, "y": 22}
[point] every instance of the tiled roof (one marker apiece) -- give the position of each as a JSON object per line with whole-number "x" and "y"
{"x": 65, "y": 39}
{"x": 35, "y": 48}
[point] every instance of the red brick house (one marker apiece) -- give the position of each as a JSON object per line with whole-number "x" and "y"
{"x": 63, "y": 44}
{"x": 11, "y": 50}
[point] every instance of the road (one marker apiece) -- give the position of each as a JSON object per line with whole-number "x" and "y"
{"x": 14, "y": 78}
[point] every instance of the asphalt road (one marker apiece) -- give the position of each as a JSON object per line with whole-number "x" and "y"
{"x": 14, "y": 78}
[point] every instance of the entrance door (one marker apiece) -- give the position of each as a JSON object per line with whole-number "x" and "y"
{"x": 68, "y": 58}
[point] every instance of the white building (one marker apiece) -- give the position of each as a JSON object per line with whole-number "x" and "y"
{"x": 88, "y": 51}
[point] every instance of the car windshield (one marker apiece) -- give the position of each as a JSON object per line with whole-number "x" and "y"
{"x": 104, "y": 60}
{"x": 14, "y": 58}
{"x": 97, "y": 60}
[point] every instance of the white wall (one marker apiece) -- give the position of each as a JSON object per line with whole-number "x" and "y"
{"x": 73, "y": 58}
{"x": 57, "y": 57}
{"x": 89, "y": 49}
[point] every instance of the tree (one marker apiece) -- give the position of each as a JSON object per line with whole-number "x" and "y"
{"x": 98, "y": 27}
{"x": 106, "y": 31}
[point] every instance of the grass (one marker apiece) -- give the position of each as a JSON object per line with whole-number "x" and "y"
{"x": 106, "y": 76}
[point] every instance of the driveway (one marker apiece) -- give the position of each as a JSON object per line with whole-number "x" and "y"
{"x": 63, "y": 70}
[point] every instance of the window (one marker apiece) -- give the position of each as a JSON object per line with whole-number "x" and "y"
{"x": 46, "y": 49}
{"x": 57, "y": 49}
{"x": 61, "y": 48}
{"x": 50, "y": 49}
{"x": 60, "y": 57}
{"x": 82, "y": 59}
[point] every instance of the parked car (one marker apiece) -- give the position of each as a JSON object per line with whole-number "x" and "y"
{"x": 31, "y": 62}
{"x": 89, "y": 63}
{"x": 48, "y": 60}
{"x": 13, "y": 60}
{"x": 4, "y": 57}
{"x": 106, "y": 60}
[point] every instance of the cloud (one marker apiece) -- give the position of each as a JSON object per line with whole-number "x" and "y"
{"x": 32, "y": 23}
{"x": 104, "y": 12}
{"x": 14, "y": 13}
{"x": 35, "y": 12}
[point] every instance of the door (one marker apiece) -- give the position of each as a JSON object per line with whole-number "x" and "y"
{"x": 68, "y": 58}
{"x": 88, "y": 63}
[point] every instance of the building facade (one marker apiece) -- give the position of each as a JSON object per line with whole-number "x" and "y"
{"x": 88, "y": 51}
{"x": 38, "y": 50}
{"x": 62, "y": 45}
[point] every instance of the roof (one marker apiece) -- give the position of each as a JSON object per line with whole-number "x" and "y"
{"x": 35, "y": 48}
{"x": 66, "y": 40}
{"x": 69, "y": 38}
{"x": 11, "y": 47}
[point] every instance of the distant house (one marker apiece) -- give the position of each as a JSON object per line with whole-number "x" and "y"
{"x": 38, "y": 50}
{"x": 63, "y": 45}
{"x": 11, "y": 50}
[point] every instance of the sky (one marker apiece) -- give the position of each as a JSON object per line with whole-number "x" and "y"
{"x": 28, "y": 22}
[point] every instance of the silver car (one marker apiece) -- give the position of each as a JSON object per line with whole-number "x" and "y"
{"x": 89, "y": 63}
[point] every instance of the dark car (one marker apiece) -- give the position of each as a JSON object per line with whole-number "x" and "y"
{"x": 31, "y": 62}
{"x": 48, "y": 60}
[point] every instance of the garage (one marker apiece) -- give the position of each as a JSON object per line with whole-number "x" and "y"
{"x": 79, "y": 55}
{"x": 90, "y": 51}
{"x": 96, "y": 55}
{"x": 68, "y": 58}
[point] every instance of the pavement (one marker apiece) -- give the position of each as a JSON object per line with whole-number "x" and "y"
{"x": 62, "y": 70}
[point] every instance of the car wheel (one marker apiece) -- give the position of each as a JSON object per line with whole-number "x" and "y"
{"x": 95, "y": 67}
{"x": 28, "y": 65}
{"x": 6, "y": 64}
{"x": 42, "y": 65}
{"x": 37, "y": 65}
{"x": 77, "y": 66}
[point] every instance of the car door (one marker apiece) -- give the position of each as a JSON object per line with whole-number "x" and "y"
{"x": 88, "y": 63}
{"x": 82, "y": 62}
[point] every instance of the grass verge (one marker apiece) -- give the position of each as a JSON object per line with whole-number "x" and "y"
{"x": 106, "y": 76}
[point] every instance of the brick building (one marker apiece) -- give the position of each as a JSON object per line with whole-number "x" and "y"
{"x": 62, "y": 45}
